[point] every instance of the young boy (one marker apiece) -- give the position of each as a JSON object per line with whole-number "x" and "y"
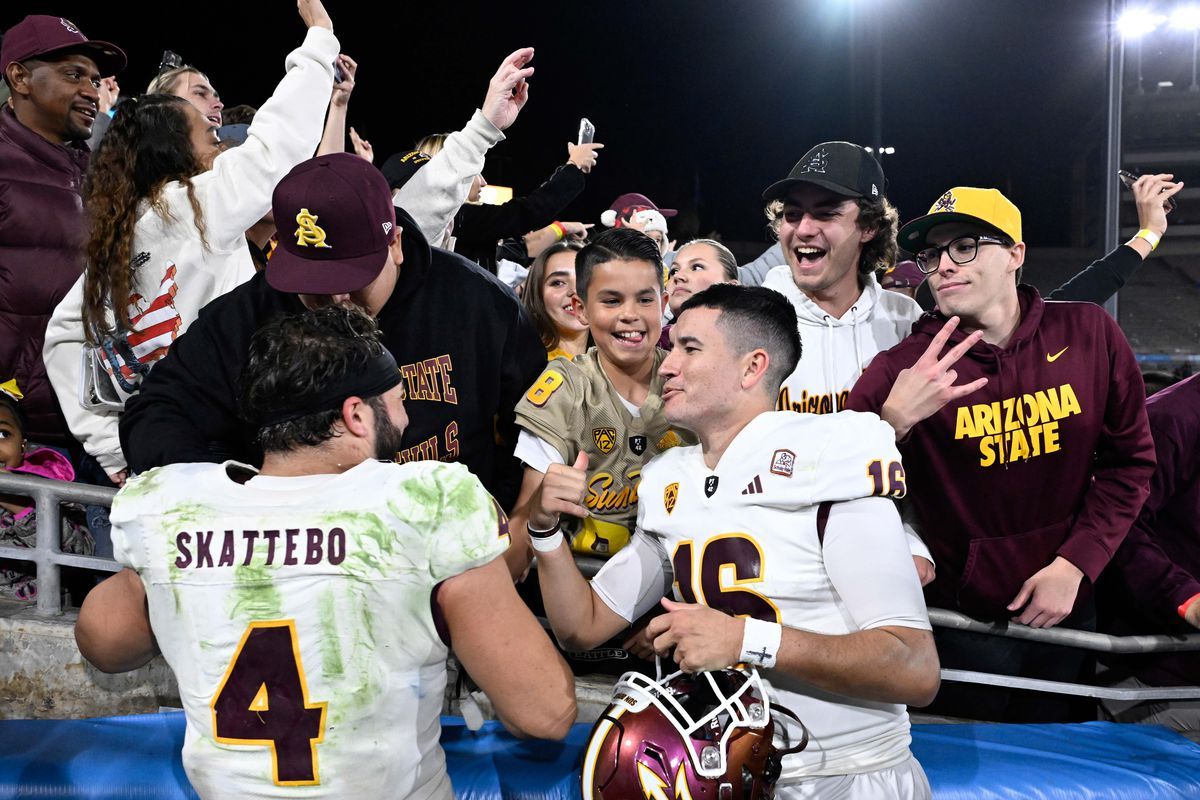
{"x": 598, "y": 418}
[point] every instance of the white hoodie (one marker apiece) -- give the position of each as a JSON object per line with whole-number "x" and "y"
{"x": 837, "y": 350}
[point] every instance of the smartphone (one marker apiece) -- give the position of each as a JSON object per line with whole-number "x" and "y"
{"x": 338, "y": 75}
{"x": 587, "y": 131}
{"x": 1128, "y": 178}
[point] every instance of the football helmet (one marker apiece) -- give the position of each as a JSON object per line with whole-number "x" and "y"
{"x": 689, "y": 736}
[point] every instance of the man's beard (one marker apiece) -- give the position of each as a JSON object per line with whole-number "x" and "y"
{"x": 388, "y": 437}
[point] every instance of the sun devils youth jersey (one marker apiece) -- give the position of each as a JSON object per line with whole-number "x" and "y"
{"x": 573, "y": 407}
{"x": 296, "y": 614}
{"x": 758, "y": 536}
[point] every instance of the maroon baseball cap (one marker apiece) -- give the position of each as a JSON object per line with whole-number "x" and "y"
{"x": 335, "y": 220}
{"x": 42, "y": 35}
{"x": 904, "y": 275}
{"x": 630, "y": 199}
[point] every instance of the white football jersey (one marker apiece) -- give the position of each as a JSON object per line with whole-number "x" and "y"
{"x": 758, "y": 536}
{"x": 296, "y": 614}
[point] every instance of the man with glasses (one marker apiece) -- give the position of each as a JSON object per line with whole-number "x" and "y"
{"x": 1025, "y": 476}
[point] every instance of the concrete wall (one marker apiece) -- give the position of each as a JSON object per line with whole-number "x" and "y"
{"x": 43, "y": 676}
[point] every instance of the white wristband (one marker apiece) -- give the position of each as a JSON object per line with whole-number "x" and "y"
{"x": 760, "y": 642}
{"x": 546, "y": 544}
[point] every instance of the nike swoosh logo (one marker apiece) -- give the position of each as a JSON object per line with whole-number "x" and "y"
{"x": 1052, "y": 358}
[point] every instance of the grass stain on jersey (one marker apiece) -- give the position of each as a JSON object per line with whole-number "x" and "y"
{"x": 331, "y": 652}
{"x": 141, "y": 485}
{"x": 254, "y": 595}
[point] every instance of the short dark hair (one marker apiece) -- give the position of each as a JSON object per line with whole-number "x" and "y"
{"x": 239, "y": 115}
{"x": 615, "y": 244}
{"x": 751, "y": 317}
{"x": 291, "y": 358}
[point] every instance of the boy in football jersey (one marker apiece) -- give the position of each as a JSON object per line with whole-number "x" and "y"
{"x": 600, "y": 415}
{"x": 773, "y": 543}
{"x": 307, "y": 609}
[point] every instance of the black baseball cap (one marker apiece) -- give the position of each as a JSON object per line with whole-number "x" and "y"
{"x": 400, "y": 168}
{"x": 840, "y": 167}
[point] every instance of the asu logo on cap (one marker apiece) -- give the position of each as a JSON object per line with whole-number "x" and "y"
{"x": 944, "y": 203}
{"x": 605, "y": 438}
{"x": 308, "y": 232}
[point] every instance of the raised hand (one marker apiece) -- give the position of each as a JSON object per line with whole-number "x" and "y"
{"x": 342, "y": 89}
{"x": 314, "y": 14}
{"x": 508, "y": 90}
{"x": 561, "y": 492}
{"x": 361, "y": 146}
{"x": 1150, "y": 193}
{"x": 923, "y": 389}
{"x": 583, "y": 155}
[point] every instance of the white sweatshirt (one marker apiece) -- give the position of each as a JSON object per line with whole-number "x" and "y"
{"x": 176, "y": 275}
{"x": 837, "y": 350}
{"x": 435, "y": 193}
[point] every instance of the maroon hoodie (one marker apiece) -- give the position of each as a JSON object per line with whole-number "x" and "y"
{"x": 1158, "y": 564}
{"x": 1052, "y": 457}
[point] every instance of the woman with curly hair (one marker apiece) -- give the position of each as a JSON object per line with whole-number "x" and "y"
{"x": 167, "y": 214}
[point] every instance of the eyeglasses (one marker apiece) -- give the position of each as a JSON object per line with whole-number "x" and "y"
{"x": 962, "y": 251}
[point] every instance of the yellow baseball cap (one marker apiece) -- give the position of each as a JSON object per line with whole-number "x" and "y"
{"x": 987, "y": 207}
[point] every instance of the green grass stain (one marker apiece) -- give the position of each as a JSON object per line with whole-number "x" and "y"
{"x": 143, "y": 484}
{"x": 331, "y": 654}
{"x": 254, "y": 594}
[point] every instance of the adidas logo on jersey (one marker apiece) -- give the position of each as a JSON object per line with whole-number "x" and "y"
{"x": 754, "y": 487}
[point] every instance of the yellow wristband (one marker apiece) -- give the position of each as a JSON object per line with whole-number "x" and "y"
{"x": 559, "y": 230}
{"x": 1150, "y": 236}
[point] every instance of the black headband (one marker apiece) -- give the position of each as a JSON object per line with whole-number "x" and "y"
{"x": 377, "y": 376}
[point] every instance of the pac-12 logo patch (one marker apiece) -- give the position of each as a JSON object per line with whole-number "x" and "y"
{"x": 710, "y": 485}
{"x": 783, "y": 463}
{"x": 637, "y": 444}
{"x": 605, "y": 438}
{"x": 670, "y": 495}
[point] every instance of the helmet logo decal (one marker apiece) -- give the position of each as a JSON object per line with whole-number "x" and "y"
{"x": 655, "y": 788}
{"x": 945, "y": 202}
{"x": 308, "y": 231}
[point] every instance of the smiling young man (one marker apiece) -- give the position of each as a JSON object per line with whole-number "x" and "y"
{"x": 836, "y": 229}
{"x": 1023, "y": 487}
{"x": 54, "y": 73}
{"x": 596, "y": 419}
{"x": 757, "y": 538}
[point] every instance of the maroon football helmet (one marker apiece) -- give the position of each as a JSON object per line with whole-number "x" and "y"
{"x": 701, "y": 736}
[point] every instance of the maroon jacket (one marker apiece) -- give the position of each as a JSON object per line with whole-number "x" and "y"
{"x": 41, "y": 244}
{"x": 1052, "y": 457}
{"x": 1158, "y": 564}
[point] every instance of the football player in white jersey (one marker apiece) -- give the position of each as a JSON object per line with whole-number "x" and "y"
{"x": 775, "y": 543}
{"x": 307, "y": 609}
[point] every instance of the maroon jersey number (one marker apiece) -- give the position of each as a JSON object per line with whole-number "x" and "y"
{"x": 887, "y": 482}
{"x": 263, "y": 701}
{"x": 729, "y": 563}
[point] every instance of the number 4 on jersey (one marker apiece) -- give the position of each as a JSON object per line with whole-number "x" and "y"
{"x": 263, "y": 701}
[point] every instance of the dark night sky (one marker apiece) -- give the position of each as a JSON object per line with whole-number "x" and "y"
{"x": 721, "y": 95}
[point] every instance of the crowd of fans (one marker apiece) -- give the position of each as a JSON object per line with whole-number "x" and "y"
{"x": 143, "y": 241}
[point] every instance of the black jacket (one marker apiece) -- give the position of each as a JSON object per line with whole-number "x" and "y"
{"x": 466, "y": 349}
{"x": 479, "y": 228}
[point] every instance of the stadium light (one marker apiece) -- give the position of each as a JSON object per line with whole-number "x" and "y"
{"x": 1187, "y": 18}
{"x": 1137, "y": 22}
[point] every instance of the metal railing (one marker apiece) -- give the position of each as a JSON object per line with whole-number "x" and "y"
{"x": 47, "y": 554}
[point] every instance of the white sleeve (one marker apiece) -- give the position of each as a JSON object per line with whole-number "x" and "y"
{"x": 867, "y": 559}
{"x": 534, "y": 451}
{"x": 916, "y": 544}
{"x": 62, "y": 351}
{"x": 236, "y": 192}
{"x": 435, "y": 193}
{"x": 636, "y": 578}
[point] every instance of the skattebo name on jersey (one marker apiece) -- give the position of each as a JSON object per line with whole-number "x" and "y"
{"x": 288, "y": 547}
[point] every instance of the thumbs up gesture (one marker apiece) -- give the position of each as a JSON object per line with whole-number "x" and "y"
{"x": 561, "y": 492}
